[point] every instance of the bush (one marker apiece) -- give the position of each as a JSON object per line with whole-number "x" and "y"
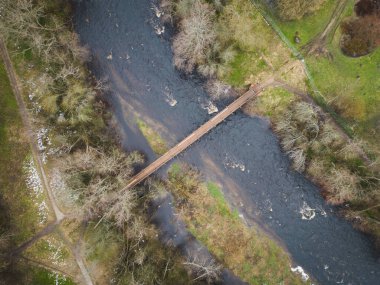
{"x": 342, "y": 186}
{"x": 296, "y": 9}
{"x": 196, "y": 35}
{"x": 360, "y": 35}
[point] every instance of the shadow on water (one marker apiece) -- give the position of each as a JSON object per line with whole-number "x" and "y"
{"x": 242, "y": 154}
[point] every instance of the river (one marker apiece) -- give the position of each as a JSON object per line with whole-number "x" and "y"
{"x": 242, "y": 154}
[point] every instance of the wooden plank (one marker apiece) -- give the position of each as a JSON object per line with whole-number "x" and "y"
{"x": 197, "y": 134}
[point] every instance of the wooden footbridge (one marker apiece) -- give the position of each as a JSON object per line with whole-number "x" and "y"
{"x": 255, "y": 90}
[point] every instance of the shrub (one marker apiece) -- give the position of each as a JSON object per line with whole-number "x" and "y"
{"x": 196, "y": 35}
{"x": 360, "y": 35}
{"x": 296, "y": 9}
{"x": 342, "y": 186}
{"x": 217, "y": 89}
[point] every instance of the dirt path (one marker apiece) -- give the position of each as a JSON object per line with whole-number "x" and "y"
{"x": 318, "y": 44}
{"x": 47, "y": 267}
{"x": 331, "y": 26}
{"x": 44, "y": 232}
{"x": 59, "y": 215}
{"x": 76, "y": 251}
{"x": 29, "y": 129}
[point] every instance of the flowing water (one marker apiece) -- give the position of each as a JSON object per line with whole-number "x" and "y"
{"x": 132, "y": 51}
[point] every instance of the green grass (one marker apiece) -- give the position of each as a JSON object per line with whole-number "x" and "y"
{"x": 244, "y": 64}
{"x": 44, "y": 277}
{"x": 155, "y": 141}
{"x": 271, "y": 102}
{"x": 250, "y": 254}
{"x": 352, "y": 85}
{"x": 309, "y": 26}
{"x": 221, "y": 205}
{"x": 257, "y": 51}
{"x": 18, "y": 209}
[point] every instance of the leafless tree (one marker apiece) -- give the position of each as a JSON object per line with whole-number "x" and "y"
{"x": 217, "y": 89}
{"x": 307, "y": 116}
{"x": 203, "y": 267}
{"x": 343, "y": 186}
{"x": 121, "y": 206}
{"x": 195, "y": 37}
{"x": 69, "y": 70}
{"x": 70, "y": 41}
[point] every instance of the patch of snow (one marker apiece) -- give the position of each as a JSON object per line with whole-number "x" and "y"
{"x": 33, "y": 182}
{"x": 44, "y": 144}
{"x": 61, "y": 192}
{"x": 57, "y": 255}
{"x": 31, "y": 96}
{"x": 42, "y": 139}
{"x": 210, "y": 107}
{"x": 299, "y": 270}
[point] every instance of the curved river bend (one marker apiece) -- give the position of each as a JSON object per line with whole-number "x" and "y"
{"x": 242, "y": 154}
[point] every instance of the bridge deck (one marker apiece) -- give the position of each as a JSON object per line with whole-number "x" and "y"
{"x": 197, "y": 134}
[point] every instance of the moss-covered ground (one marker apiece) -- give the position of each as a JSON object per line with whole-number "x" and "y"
{"x": 155, "y": 141}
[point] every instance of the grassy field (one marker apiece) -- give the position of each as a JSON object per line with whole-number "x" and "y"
{"x": 257, "y": 51}
{"x": 309, "y": 26}
{"x": 20, "y": 213}
{"x": 19, "y": 208}
{"x": 249, "y": 253}
{"x": 350, "y": 92}
{"x": 352, "y": 86}
{"x": 155, "y": 141}
{"x": 43, "y": 276}
{"x": 271, "y": 102}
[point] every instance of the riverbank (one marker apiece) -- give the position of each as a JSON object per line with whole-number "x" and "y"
{"x": 312, "y": 139}
{"x": 348, "y": 91}
{"x": 247, "y": 252}
{"x": 83, "y": 163}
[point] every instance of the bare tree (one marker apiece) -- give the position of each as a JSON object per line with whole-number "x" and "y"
{"x": 196, "y": 35}
{"x": 343, "y": 186}
{"x": 203, "y": 267}
{"x": 70, "y": 41}
{"x": 121, "y": 206}
{"x": 217, "y": 89}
